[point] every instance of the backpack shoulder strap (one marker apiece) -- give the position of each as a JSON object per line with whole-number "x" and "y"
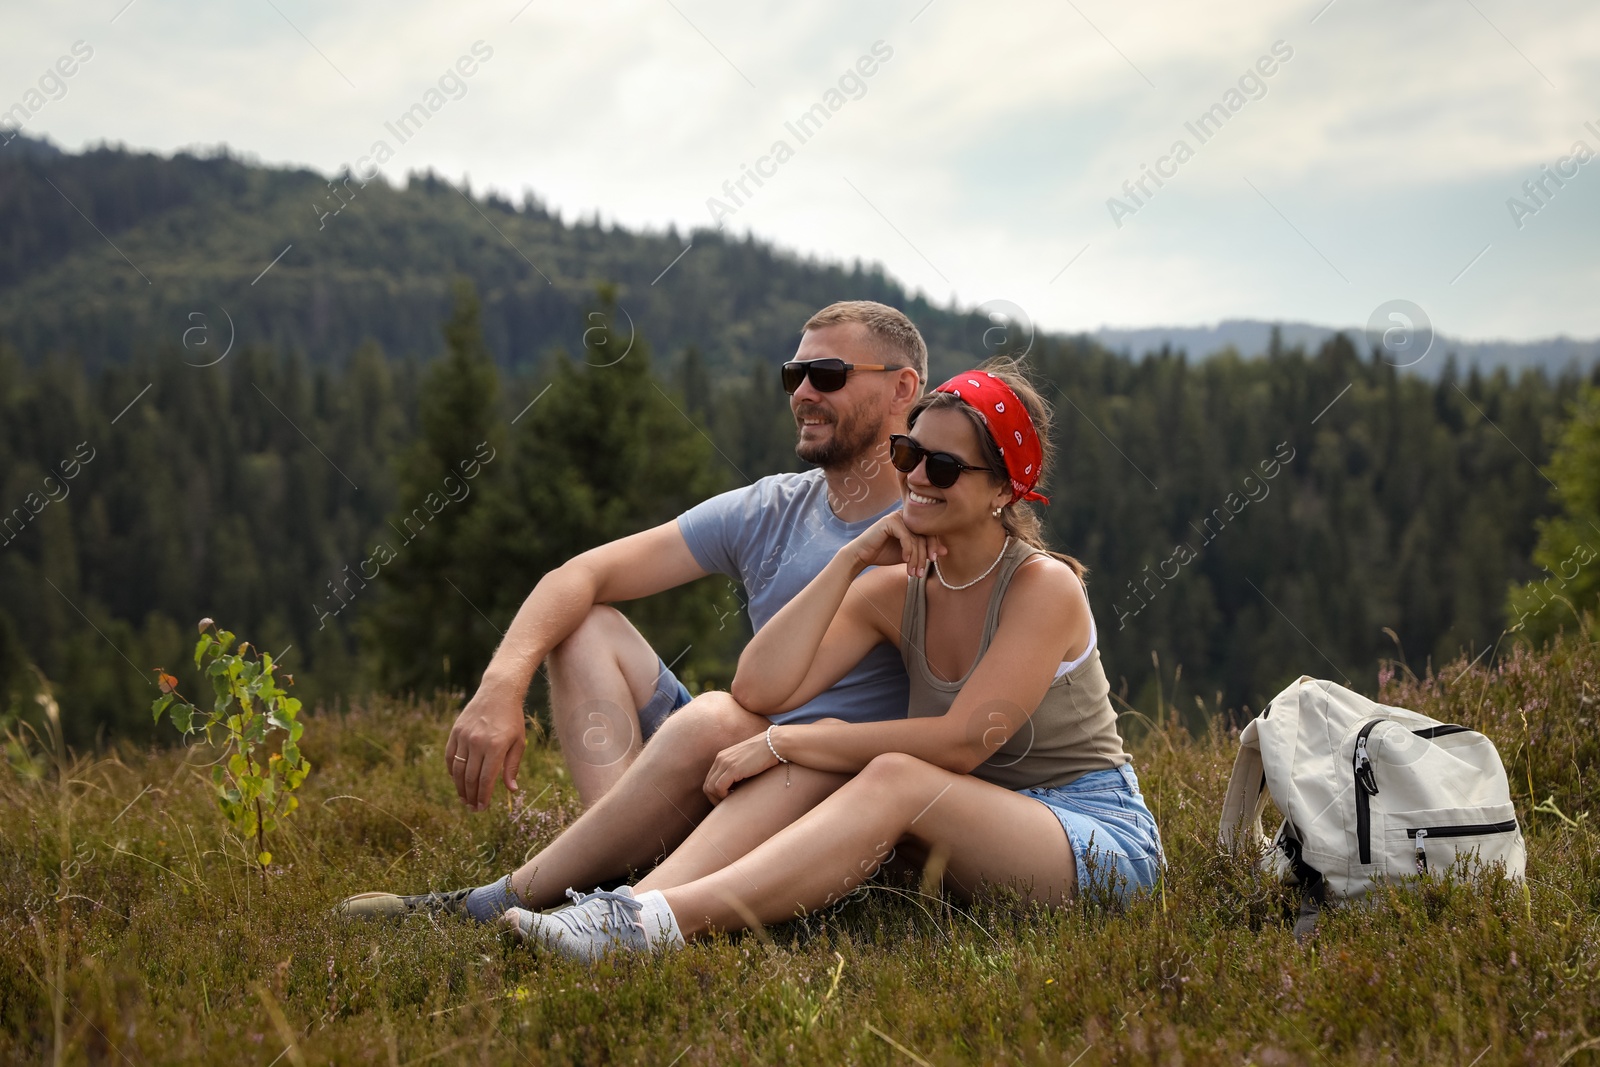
{"x": 1246, "y": 798}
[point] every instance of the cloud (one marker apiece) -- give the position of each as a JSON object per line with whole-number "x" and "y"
{"x": 980, "y": 161}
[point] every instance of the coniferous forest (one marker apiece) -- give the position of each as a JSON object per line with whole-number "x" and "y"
{"x": 365, "y": 452}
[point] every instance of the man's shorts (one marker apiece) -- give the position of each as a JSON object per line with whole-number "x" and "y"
{"x": 670, "y": 695}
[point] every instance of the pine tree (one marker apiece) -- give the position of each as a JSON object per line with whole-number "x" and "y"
{"x": 426, "y": 629}
{"x": 1569, "y": 543}
{"x": 604, "y": 452}
{"x": 694, "y": 384}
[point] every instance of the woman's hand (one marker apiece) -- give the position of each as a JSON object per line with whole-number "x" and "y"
{"x": 734, "y": 764}
{"x": 890, "y": 541}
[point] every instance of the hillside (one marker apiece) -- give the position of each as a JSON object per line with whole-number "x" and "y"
{"x": 194, "y": 233}
{"x": 304, "y": 264}
{"x": 1244, "y": 520}
{"x": 138, "y": 933}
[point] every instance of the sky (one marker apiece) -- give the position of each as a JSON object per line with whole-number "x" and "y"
{"x": 1358, "y": 153}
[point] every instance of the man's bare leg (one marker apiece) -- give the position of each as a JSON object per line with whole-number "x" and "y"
{"x": 600, "y": 677}
{"x": 653, "y": 806}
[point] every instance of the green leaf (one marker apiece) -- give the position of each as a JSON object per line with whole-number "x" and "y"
{"x": 160, "y": 705}
{"x": 265, "y": 859}
{"x": 183, "y": 717}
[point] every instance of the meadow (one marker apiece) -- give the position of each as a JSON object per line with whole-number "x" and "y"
{"x": 137, "y": 930}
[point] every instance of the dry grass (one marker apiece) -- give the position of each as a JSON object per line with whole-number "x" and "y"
{"x": 135, "y": 932}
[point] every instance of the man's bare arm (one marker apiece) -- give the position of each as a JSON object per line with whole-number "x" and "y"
{"x": 489, "y": 734}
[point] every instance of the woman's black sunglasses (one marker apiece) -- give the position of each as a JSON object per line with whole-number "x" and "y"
{"x": 827, "y": 375}
{"x": 943, "y": 468}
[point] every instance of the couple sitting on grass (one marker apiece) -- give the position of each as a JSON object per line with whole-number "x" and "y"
{"x": 923, "y": 680}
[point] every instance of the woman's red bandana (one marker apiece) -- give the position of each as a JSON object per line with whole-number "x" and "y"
{"x": 1008, "y": 424}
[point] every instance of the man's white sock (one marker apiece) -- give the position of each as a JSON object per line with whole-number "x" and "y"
{"x": 660, "y": 925}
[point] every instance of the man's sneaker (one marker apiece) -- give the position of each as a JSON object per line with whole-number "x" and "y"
{"x": 597, "y": 923}
{"x": 392, "y": 905}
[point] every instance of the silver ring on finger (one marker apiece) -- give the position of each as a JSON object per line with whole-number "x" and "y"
{"x": 463, "y": 759}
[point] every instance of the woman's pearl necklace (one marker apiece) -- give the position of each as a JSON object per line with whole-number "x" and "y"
{"x": 953, "y": 588}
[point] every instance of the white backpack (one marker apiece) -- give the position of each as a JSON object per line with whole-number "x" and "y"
{"x": 1369, "y": 793}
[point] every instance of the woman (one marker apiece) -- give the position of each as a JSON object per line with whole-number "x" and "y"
{"x": 1009, "y": 768}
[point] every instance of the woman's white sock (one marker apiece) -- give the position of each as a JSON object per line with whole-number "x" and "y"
{"x": 660, "y": 925}
{"x": 488, "y": 902}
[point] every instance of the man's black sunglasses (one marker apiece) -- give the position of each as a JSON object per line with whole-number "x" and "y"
{"x": 943, "y": 468}
{"x": 827, "y": 375}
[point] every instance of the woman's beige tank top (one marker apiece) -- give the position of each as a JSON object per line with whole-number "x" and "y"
{"x": 1072, "y": 732}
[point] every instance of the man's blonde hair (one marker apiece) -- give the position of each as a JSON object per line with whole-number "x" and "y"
{"x": 895, "y": 336}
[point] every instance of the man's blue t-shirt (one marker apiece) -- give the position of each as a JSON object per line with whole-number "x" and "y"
{"x": 775, "y": 536}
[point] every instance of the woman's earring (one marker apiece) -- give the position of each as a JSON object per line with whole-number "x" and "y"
{"x": 996, "y": 512}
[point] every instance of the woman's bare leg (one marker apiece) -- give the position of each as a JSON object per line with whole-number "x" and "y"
{"x": 989, "y": 834}
{"x": 753, "y": 812}
{"x": 660, "y": 800}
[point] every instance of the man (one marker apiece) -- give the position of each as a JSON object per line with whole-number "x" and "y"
{"x": 859, "y": 369}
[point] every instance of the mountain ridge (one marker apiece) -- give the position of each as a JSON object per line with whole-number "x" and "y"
{"x": 113, "y": 252}
{"x": 1252, "y": 337}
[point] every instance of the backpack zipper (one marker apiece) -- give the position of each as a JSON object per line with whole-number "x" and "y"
{"x": 1367, "y": 782}
{"x": 1366, "y": 786}
{"x": 1422, "y": 833}
{"x": 1448, "y": 728}
{"x": 1465, "y": 829}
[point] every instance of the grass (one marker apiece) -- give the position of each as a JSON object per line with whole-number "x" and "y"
{"x": 135, "y": 931}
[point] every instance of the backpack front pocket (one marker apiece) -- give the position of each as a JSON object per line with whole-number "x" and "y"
{"x": 1397, "y": 769}
{"x": 1432, "y": 840}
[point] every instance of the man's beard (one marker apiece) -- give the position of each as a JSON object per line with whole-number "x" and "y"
{"x": 852, "y": 437}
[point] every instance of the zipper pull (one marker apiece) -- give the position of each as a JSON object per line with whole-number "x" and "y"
{"x": 1422, "y": 852}
{"x": 1363, "y": 763}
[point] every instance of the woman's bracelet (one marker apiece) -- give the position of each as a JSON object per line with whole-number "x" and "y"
{"x": 775, "y": 755}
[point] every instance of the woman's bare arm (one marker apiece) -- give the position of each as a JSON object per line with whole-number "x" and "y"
{"x": 1044, "y": 615}
{"x": 833, "y": 622}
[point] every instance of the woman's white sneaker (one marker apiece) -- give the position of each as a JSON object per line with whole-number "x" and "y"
{"x": 598, "y": 923}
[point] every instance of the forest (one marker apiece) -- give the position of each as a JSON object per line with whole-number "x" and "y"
{"x": 365, "y": 457}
